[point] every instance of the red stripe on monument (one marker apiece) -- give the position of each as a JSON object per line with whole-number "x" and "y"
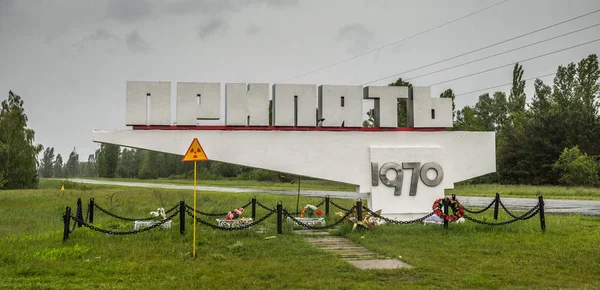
{"x": 276, "y": 128}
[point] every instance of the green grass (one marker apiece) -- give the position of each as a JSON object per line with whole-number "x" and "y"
{"x": 465, "y": 256}
{"x": 304, "y": 184}
{"x": 529, "y": 191}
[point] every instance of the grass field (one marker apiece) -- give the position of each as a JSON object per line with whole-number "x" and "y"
{"x": 465, "y": 256}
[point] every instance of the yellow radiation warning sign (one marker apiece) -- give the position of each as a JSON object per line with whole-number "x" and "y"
{"x": 195, "y": 152}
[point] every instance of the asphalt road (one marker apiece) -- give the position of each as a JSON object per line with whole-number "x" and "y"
{"x": 585, "y": 207}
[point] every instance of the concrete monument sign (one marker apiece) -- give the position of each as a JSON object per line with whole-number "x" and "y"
{"x": 400, "y": 170}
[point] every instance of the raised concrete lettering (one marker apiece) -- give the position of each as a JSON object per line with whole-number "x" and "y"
{"x": 198, "y": 101}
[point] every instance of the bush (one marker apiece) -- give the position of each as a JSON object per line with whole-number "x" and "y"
{"x": 225, "y": 169}
{"x": 577, "y": 168}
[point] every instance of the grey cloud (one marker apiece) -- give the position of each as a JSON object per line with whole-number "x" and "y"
{"x": 356, "y": 35}
{"x": 253, "y": 29}
{"x": 99, "y": 35}
{"x": 5, "y": 4}
{"x": 282, "y": 3}
{"x": 128, "y": 10}
{"x": 135, "y": 43}
{"x": 211, "y": 27}
{"x": 211, "y": 7}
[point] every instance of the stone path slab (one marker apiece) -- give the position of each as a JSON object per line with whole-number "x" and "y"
{"x": 349, "y": 251}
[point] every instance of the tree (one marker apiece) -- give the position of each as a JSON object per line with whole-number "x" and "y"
{"x": 563, "y": 116}
{"x": 402, "y": 104}
{"x": 91, "y": 169}
{"x": 58, "y": 167}
{"x": 127, "y": 166}
{"x": 491, "y": 111}
{"x": 147, "y": 167}
{"x": 47, "y": 164}
{"x": 72, "y": 164}
{"x": 577, "y": 168}
{"x": 467, "y": 120}
{"x": 108, "y": 158}
{"x": 517, "y": 97}
{"x": 270, "y": 112}
{"x": 18, "y": 154}
{"x": 450, "y": 95}
{"x": 370, "y": 122}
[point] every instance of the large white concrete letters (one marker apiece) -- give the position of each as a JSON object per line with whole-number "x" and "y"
{"x": 148, "y": 103}
{"x": 399, "y": 170}
{"x": 340, "y": 105}
{"x": 386, "y": 104}
{"x": 424, "y": 111}
{"x": 294, "y": 105}
{"x": 247, "y": 104}
{"x": 198, "y": 101}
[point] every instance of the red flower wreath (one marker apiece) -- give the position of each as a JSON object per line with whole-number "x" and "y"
{"x": 457, "y": 209}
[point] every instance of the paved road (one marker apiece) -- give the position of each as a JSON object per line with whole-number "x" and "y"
{"x": 585, "y": 207}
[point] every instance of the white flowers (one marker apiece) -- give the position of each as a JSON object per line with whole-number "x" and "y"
{"x": 160, "y": 212}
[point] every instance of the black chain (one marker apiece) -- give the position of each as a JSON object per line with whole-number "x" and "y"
{"x": 191, "y": 213}
{"x": 336, "y": 205}
{"x": 264, "y": 206}
{"x": 78, "y": 213}
{"x": 110, "y": 232}
{"x": 215, "y": 214}
{"x": 124, "y": 218}
{"x": 478, "y": 211}
{"x": 396, "y": 221}
{"x": 286, "y": 213}
{"x": 321, "y": 203}
{"x": 172, "y": 209}
{"x": 87, "y": 214}
{"x": 531, "y": 213}
{"x": 507, "y": 211}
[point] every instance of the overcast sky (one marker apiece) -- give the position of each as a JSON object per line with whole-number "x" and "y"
{"x": 69, "y": 60}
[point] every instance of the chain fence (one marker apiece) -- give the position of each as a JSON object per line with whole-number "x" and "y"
{"x": 216, "y": 227}
{"x": 507, "y": 211}
{"x": 396, "y": 221}
{"x": 338, "y": 206}
{"x": 111, "y": 232}
{"x": 264, "y": 206}
{"x": 182, "y": 209}
{"x": 529, "y": 214}
{"x": 305, "y": 225}
{"x": 131, "y": 219}
{"x": 215, "y": 214}
{"x": 478, "y": 211}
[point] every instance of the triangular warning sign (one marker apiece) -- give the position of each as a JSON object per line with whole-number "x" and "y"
{"x": 195, "y": 152}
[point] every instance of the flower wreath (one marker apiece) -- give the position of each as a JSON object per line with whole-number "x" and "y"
{"x": 310, "y": 211}
{"x": 457, "y": 209}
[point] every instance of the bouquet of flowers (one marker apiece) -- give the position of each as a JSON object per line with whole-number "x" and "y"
{"x": 235, "y": 214}
{"x": 159, "y": 214}
{"x": 310, "y": 211}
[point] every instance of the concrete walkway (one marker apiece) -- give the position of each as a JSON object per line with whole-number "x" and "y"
{"x": 350, "y": 252}
{"x": 585, "y": 207}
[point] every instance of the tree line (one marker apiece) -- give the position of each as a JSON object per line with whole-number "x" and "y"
{"x": 555, "y": 139}
{"x": 111, "y": 161}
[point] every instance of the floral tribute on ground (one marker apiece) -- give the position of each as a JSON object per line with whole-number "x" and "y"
{"x": 159, "y": 214}
{"x": 310, "y": 211}
{"x": 455, "y": 206}
{"x": 235, "y": 214}
{"x": 234, "y": 219}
